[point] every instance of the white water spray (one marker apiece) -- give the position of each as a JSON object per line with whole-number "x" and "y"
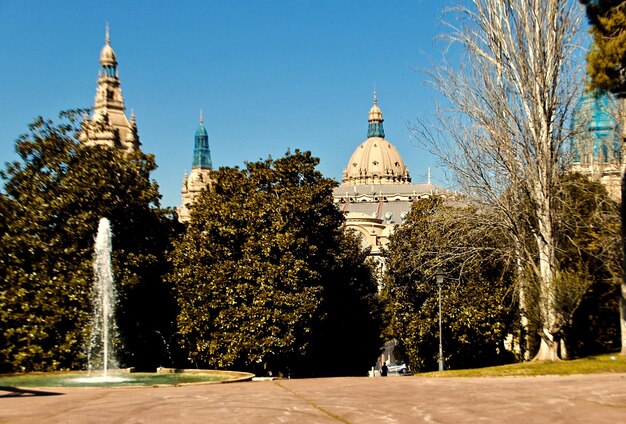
{"x": 103, "y": 330}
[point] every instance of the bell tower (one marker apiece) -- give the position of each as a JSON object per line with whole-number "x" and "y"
{"x": 108, "y": 125}
{"x": 199, "y": 178}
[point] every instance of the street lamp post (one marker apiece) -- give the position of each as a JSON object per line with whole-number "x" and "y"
{"x": 439, "y": 274}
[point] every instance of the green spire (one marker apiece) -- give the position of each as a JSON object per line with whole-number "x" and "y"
{"x": 201, "y": 151}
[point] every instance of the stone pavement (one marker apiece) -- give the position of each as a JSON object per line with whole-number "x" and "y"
{"x": 599, "y": 398}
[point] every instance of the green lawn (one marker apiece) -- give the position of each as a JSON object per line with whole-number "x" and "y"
{"x": 593, "y": 364}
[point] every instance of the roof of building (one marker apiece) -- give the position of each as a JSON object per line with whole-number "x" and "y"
{"x": 390, "y": 212}
{"x": 352, "y": 190}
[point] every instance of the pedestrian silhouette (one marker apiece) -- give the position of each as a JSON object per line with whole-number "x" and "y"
{"x": 383, "y": 370}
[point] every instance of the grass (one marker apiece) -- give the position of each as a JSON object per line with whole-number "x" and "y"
{"x": 609, "y": 363}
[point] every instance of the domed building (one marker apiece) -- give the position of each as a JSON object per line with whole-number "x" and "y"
{"x": 376, "y": 192}
{"x": 595, "y": 148}
{"x": 109, "y": 126}
{"x": 199, "y": 177}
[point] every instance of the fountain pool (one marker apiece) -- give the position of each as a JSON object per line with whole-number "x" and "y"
{"x": 117, "y": 379}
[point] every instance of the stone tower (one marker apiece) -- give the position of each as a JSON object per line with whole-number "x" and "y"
{"x": 108, "y": 125}
{"x": 199, "y": 177}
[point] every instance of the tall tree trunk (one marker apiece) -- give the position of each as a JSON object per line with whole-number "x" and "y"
{"x": 507, "y": 123}
{"x": 622, "y": 298}
{"x": 549, "y": 348}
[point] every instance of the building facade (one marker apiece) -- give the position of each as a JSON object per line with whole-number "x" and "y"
{"x": 108, "y": 125}
{"x": 199, "y": 178}
{"x": 596, "y": 149}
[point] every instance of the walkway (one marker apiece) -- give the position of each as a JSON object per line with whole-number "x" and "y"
{"x": 552, "y": 399}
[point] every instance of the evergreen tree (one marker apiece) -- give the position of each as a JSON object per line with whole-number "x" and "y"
{"x": 477, "y": 302}
{"x": 55, "y": 195}
{"x": 261, "y": 268}
{"x": 590, "y": 266}
{"x": 606, "y": 60}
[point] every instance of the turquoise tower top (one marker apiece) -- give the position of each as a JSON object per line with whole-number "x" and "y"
{"x": 596, "y": 128}
{"x": 375, "y": 119}
{"x": 201, "y": 151}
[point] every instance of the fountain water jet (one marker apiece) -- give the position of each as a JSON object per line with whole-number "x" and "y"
{"x": 100, "y": 354}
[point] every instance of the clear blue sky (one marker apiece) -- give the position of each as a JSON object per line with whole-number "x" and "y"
{"x": 269, "y": 75}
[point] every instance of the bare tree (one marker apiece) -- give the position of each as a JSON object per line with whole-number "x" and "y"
{"x": 507, "y": 119}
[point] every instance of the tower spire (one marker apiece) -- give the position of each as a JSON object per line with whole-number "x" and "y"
{"x": 201, "y": 151}
{"x": 107, "y": 37}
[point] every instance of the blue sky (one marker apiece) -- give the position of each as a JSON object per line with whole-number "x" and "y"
{"x": 269, "y": 75}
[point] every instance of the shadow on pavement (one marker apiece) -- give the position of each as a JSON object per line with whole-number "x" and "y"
{"x": 17, "y": 392}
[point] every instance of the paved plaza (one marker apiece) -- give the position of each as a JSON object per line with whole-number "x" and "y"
{"x": 596, "y": 399}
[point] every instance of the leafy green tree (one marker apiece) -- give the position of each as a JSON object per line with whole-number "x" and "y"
{"x": 590, "y": 266}
{"x": 55, "y": 195}
{"x": 477, "y": 304}
{"x": 607, "y": 58}
{"x": 261, "y": 267}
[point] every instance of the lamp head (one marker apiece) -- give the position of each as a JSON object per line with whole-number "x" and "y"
{"x": 439, "y": 275}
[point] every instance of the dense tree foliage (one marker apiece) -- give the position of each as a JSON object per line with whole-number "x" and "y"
{"x": 606, "y": 60}
{"x": 54, "y": 196}
{"x": 590, "y": 268}
{"x": 266, "y": 280}
{"x": 477, "y": 295}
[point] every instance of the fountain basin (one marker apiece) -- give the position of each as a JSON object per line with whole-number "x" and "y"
{"x": 120, "y": 378}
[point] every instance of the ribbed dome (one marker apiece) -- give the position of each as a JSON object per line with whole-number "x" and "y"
{"x": 376, "y": 161}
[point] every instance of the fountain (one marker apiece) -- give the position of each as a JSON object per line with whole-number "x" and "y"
{"x": 102, "y": 361}
{"x": 103, "y": 302}
{"x": 100, "y": 353}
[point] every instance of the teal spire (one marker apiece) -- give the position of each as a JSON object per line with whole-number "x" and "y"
{"x": 596, "y": 129}
{"x": 201, "y": 152}
{"x": 375, "y": 119}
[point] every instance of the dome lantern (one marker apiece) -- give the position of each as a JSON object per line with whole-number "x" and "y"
{"x": 375, "y": 119}
{"x": 108, "y": 60}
